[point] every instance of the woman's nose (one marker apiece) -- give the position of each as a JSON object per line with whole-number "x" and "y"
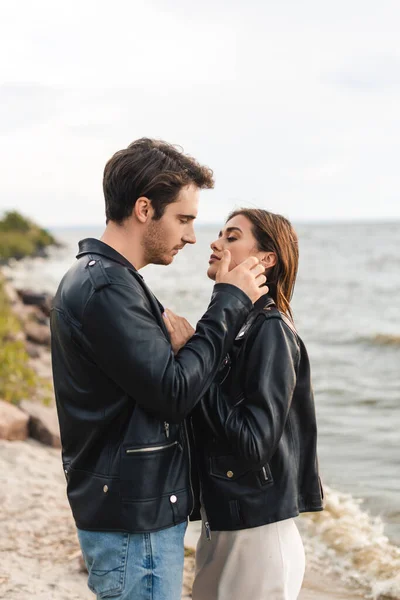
{"x": 216, "y": 245}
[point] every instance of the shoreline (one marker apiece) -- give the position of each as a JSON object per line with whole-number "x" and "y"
{"x": 58, "y": 576}
{"x": 39, "y": 553}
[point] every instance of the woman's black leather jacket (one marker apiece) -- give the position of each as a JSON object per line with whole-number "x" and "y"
{"x": 255, "y": 431}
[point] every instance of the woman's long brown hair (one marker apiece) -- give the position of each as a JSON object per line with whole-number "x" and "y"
{"x": 274, "y": 233}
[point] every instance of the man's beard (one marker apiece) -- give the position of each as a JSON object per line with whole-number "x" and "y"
{"x": 155, "y": 250}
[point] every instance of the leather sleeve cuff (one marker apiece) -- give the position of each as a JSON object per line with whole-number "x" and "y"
{"x": 234, "y": 291}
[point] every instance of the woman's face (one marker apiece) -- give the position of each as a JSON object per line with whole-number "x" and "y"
{"x": 237, "y": 237}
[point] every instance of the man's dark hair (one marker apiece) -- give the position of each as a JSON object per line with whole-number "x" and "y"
{"x": 150, "y": 168}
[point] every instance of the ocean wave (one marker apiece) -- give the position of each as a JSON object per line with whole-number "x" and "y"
{"x": 347, "y": 541}
{"x": 385, "y": 339}
{"x": 377, "y": 339}
{"x": 341, "y": 338}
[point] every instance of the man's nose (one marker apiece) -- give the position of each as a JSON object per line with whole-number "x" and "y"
{"x": 190, "y": 238}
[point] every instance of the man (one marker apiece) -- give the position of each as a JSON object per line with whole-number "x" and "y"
{"x": 122, "y": 394}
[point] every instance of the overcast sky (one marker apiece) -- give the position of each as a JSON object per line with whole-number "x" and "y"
{"x": 294, "y": 105}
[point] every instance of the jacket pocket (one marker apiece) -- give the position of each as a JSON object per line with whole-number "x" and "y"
{"x": 227, "y": 467}
{"x": 151, "y": 449}
{"x": 148, "y": 472}
{"x": 230, "y": 468}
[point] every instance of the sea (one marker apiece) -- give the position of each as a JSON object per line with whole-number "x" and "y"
{"x": 347, "y": 310}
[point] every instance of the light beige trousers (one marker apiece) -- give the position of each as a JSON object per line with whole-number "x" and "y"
{"x": 262, "y": 563}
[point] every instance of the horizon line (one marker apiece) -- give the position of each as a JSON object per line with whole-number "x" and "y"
{"x": 317, "y": 221}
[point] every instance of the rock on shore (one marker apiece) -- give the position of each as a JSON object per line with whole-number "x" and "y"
{"x": 13, "y": 422}
{"x": 31, "y": 417}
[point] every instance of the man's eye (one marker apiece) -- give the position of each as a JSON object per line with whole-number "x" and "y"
{"x": 184, "y": 221}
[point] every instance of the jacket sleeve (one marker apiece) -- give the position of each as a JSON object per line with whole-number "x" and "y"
{"x": 254, "y": 426}
{"x": 126, "y": 341}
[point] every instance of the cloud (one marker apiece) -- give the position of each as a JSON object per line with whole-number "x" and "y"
{"x": 369, "y": 73}
{"x": 313, "y": 173}
{"x": 26, "y": 104}
{"x": 266, "y": 94}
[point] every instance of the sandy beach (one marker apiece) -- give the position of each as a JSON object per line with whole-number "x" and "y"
{"x": 39, "y": 552}
{"x": 40, "y": 557}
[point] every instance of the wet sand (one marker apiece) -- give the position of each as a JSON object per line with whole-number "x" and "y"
{"x": 39, "y": 552}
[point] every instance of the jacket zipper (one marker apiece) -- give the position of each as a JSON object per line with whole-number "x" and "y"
{"x": 150, "y": 448}
{"x": 204, "y": 519}
{"x": 190, "y": 464}
{"x": 208, "y": 530}
{"x": 239, "y": 400}
{"x": 203, "y": 513}
{"x": 166, "y": 429}
{"x": 227, "y": 364}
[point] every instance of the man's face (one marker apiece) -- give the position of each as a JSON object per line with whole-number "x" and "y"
{"x": 164, "y": 238}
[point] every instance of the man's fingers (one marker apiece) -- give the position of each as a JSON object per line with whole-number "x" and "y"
{"x": 224, "y": 263}
{"x": 249, "y": 277}
{"x": 250, "y": 263}
{"x": 258, "y": 270}
{"x": 260, "y": 280}
{"x": 264, "y": 290}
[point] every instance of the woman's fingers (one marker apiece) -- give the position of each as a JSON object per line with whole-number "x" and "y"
{"x": 179, "y": 329}
{"x": 188, "y": 328}
{"x": 167, "y": 322}
{"x": 171, "y": 316}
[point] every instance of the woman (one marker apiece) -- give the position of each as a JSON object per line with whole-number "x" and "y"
{"x": 255, "y": 433}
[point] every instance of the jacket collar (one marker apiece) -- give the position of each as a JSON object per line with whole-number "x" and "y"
{"x": 263, "y": 302}
{"x": 93, "y": 246}
{"x": 258, "y": 307}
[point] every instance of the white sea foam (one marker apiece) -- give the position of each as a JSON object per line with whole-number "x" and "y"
{"x": 347, "y": 541}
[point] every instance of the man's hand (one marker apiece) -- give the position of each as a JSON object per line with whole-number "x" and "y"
{"x": 179, "y": 329}
{"x": 248, "y": 276}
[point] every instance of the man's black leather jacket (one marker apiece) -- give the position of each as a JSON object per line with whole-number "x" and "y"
{"x": 255, "y": 431}
{"x": 122, "y": 396}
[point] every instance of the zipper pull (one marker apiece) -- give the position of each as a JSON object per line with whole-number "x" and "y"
{"x": 208, "y": 530}
{"x": 166, "y": 429}
{"x": 266, "y": 478}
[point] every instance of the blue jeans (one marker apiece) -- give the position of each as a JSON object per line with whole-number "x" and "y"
{"x": 135, "y": 566}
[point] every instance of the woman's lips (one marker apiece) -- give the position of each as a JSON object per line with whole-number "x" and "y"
{"x": 213, "y": 258}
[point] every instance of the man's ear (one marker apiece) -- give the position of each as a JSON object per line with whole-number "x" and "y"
{"x": 269, "y": 260}
{"x": 143, "y": 209}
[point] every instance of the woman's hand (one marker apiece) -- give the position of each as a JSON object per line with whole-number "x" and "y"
{"x": 179, "y": 329}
